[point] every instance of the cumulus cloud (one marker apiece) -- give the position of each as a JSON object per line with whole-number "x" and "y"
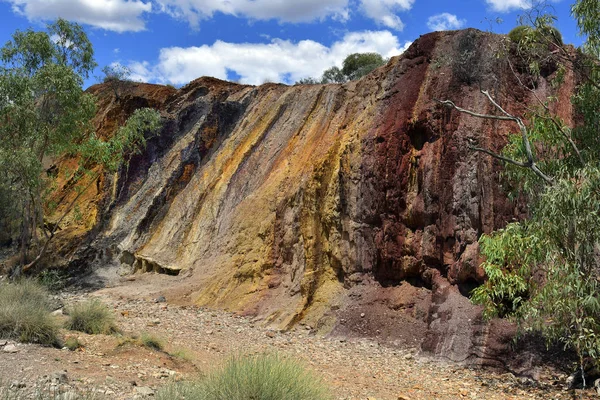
{"x": 255, "y": 63}
{"x": 284, "y": 10}
{"x": 444, "y": 22}
{"x": 509, "y": 5}
{"x": 127, "y": 15}
{"x": 384, "y": 11}
{"x": 113, "y": 15}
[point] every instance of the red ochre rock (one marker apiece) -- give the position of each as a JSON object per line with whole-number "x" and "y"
{"x": 324, "y": 202}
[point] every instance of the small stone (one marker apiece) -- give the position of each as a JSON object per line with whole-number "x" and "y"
{"x": 402, "y": 397}
{"x": 3, "y": 342}
{"x": 11, "y": 348}
{"x": 144, "y": 391}
{"x": 270, "y": 334}
{"x": 362, "y": 315}
{"x": 68, "y": 396}
{"x": 60, "y": 376}
{"x": 408, "y": 357}
{"x": 58, "y": 312}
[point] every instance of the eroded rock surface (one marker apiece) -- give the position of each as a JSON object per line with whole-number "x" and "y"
{"x": 354, "y": 208}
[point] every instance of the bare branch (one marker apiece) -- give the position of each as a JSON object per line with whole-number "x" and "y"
{"x": 559, "y": 127}
{"x": 500, "y": 157}
{"x": 506, "y": 117}
{"x": 451, "y": 104}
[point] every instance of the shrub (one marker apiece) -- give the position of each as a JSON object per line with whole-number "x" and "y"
{"x": 151, "y": 342}
{"x": 25, "y": 313}
{"x": 182, "y": 354}
{"x": 520, "y": 33}
{"x": 53, "y": 279}
{"x": 91, "y": 316}
{"x": 72, "y": 343}
{"x": 265, "y": 377}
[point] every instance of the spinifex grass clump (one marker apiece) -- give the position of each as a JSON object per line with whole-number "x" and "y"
{"x": 25, "y": 313}
{"x": 152, "y": 342}
{"x": 91, "y": 316}
{"x": 264, "y": 377}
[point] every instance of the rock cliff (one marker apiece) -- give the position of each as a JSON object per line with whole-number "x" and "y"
{"x": 353, "y": 208}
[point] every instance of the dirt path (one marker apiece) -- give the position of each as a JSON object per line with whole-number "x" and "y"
{"x": 202, "y": 339}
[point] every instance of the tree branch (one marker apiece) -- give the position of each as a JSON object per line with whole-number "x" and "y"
{"x": 506, "y": 117}
{"x": 56, "y": 226}
{"x": 500, "y": 157}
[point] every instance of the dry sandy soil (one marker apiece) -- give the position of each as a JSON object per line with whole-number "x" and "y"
{"x": 198, "y": 340}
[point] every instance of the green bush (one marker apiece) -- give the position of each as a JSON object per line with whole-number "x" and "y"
{"x": 72, "y": 343}
{"x": 520, "y": 34}
{"x": 524, "y": 34}
{"x": 151, "y": 341}
{"x": 264, "y": 377}
{"x": 25, "y": 313}
{"x": 53, "y": 279}
{"x": 91, "y": 316}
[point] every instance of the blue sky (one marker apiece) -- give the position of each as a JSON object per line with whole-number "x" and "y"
{"x": 255, "y": 41}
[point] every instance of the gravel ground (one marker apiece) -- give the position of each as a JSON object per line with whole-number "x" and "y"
{"x": 197, "y": 340}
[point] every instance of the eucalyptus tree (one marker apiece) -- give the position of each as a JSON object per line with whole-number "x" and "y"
{"x": 544, "y": 271}
{"x": 44, "y": 114}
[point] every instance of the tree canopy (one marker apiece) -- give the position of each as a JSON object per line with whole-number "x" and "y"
{"x": 45, "y": 113}
{"x": 354, "y": 67}
{"x": 544, "y": 271}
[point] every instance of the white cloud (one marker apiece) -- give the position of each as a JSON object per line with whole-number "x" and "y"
{"x": 127, "y": 15}
{"x": 284, "y": 10}
{"x": 384, "y": 11}
{"x": 277, "y": 61}
{"x": 509, "y": 5}
{"x": 113, "y": 15}
{"x": 444, "y": 22}
{"x": 381, "y": 11}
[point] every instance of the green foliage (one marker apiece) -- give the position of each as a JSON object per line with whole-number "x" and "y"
{"x": 52, "y": 279}
{"x": 72, "y": 343}
{"x": 265, "y": 377}
{"x": 307, "y": 81}
{"x": 545, "y": 271}
{"x": 333, "y": 75}
{"x": 535, "y": 44}
{"x": 44, "y": 113}
{"x": 25, "y": 313}
{"x": 117, "y": 77}
{"x": 520, "y": 33}
{"x": 151, "y": 341}
{"x": 355, "y": 66}
{"x": 91, "y": 316}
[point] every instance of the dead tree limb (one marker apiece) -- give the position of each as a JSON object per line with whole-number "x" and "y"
{"x": 530, "y": 163}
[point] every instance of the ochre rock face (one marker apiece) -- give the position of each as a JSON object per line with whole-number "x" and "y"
{"x": 323, "y": 202}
